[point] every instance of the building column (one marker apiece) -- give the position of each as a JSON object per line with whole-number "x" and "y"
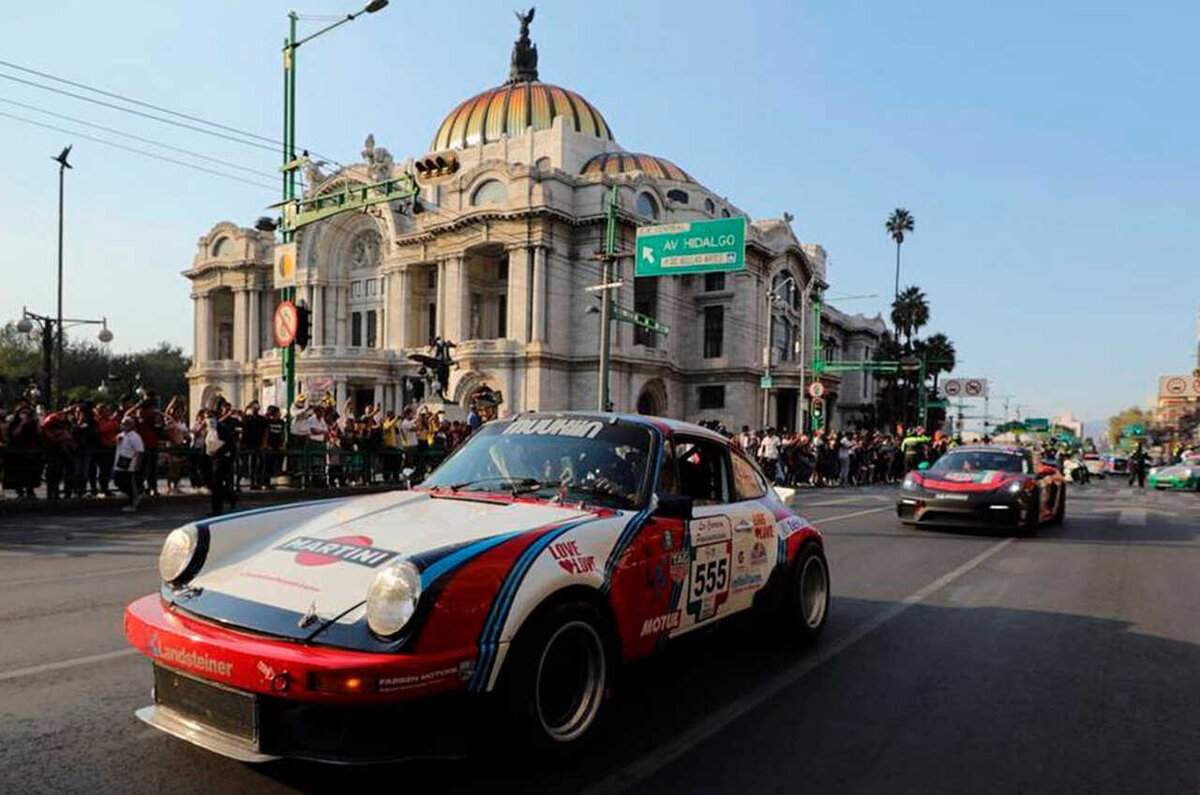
{"x": 318, "y": 315}
{"x": 385, "y": 286}
{"x": 255, "y": 350}
{"x": 339, "y": 394}
{"x": 378, "y": 399}
{"x": 343, "y": 314}
{"x": 520, "y": 265}
{"x": 199, "y": 328}
{"x": 401, "y": 307}
{"x": 440, "y": 298}
{"x": 538, "y": 307}
{"x": 241, "y": 334}
{"x": 454, "y": 307}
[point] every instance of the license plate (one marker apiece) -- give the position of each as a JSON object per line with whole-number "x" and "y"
{"x": 959, "y": 497}
{"x": 224, "y": 709}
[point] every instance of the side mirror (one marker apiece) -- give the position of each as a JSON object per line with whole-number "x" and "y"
{"x": 923, "y": 466}
{"x": 673, "y": 506}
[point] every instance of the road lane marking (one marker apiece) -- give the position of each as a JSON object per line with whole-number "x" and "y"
{"x": 851, "y": 515}
{"x": 650, "y": 764}
{"x": 34, "y": 670}
{"x": 71, "y": 577}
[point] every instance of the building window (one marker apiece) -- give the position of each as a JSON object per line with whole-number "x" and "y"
{"x": 490, "y": 192}
{"x": 647, "y": 206}
{"x": 709, "y": 207}
{"x": 714, "y": 331}
{"x": 724, "y": 213}
{"x": 714, "y": 282}
{"x": 502, "y": 316}
{"x": 372, "y": 327}
{"x": 219, "y": 246}
{"x": 356, "y": 336}
{"x": 356, "y": 289}
{"x": 677, "y": 195}
{"x": 645, "y": 301}
{"x": 431, "y": 331}
{"x": 866, "y": 375}
{"x": 712, "y": 397}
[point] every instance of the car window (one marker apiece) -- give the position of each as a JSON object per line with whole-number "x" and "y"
{"x": 702, "y": 470}
{"x": 668, "y": 480}
{"x": 748, "y": 484}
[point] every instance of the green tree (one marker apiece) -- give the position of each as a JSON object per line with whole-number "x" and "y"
{"x": 898, "y": 224}
{"x": 910, "y": 313}
{"x": 1130, "y": 416}
{"x": 940, "y": 354}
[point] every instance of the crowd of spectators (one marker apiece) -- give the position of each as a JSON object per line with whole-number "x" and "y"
{"x": 86, "y": 449}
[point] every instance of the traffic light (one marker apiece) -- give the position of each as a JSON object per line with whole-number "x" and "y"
{"x": 818, "y": 414}
{"x": 303, "y": 326}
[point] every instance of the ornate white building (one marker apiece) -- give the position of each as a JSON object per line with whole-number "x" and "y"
{"x": 498, "y": 259}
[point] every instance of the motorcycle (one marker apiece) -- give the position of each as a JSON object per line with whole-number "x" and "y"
{"x": 1076, "y": 471}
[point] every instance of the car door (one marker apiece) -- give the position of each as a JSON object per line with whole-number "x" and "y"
{"x": 755, "y": 537}
{"x": 703, "y": 467}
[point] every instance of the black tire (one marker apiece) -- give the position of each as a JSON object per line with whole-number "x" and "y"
{"x": 1027, "y": 514}
{"x": 805, "y": 607}
{"x": 557, "y": 677}
{"x": 1061, "y": 511}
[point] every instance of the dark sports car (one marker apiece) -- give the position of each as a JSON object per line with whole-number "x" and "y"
{"x": 984, "y": 485}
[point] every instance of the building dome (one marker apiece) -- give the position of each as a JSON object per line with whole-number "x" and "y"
{"x": 511, "y": 108}
{"x": 611, "y": 163}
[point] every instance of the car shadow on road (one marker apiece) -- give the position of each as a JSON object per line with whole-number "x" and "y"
{"x": 938, "y": 699}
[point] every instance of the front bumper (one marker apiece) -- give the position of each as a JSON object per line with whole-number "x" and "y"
{"x": 991, "y": 508}
{"x": 1182, "y": 484}
{"x": 257, "y": 698}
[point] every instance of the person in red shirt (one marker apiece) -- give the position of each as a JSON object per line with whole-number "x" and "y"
{"x": 108, "y": 425}
{"x": 149, "y": 423}
{"x": 55, "y": 430}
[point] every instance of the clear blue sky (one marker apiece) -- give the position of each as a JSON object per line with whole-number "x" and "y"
{"x": 1047, "y": 150}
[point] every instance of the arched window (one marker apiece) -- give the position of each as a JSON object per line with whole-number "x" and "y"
{"x": 709, "y": 207}
{"x": 490, "y": 192}
{"x": 219, "y": 246}
{"x": 677, "y": 195}
{"x": 647, "y": 206}
{"x": 724, "y": 213}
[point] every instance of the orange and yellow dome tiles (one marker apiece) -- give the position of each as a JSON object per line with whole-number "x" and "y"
{"x": 511, "y": 108}
{"x": 611, "y": 163}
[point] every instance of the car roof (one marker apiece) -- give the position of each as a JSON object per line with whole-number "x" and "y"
{"x": 990, "y": 448}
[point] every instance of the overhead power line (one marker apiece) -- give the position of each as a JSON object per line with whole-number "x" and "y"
{"x": 275, "y": 144}
{"x": 135, "y": 150}
{"x": 151, "y": 141}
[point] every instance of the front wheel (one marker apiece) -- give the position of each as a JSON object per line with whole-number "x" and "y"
{"x": 806, "y": 607}
{"x": 558, "y": 677}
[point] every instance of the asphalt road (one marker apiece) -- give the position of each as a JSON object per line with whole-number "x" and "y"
{"x": 953, "y": 662}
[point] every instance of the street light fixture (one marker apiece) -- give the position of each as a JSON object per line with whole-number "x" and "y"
{"x": 52, "y": 330}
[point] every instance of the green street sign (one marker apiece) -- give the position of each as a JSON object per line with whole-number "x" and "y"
{"x": 937, "y": 404}
{"x": 691, "y": 247}
{"x": 1134, "y": 430}
{"x": 1037, "y": 424}
{"x": 766, "y": 382}
{"x": 624, "y": 315}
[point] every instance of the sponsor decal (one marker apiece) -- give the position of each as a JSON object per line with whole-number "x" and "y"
{"x": 344, "y": 549}
{"x": 663, "y": 623}
{"x": 267, "y": 671}
{"x": 758, "y": 555}
{"x": 708, "y": 586}
{"x": 710, "y": 530}
{"x": 410, "y": 681}
{"x": 571, "y": 559}
{"x": 189, "y": 658}
{"x": 764, "y": 527}
{"x": 580, "y": 429}
{"x": 679, "y": 566}
{"x": 747, "y": 582}
{"x": 791, "y": 525}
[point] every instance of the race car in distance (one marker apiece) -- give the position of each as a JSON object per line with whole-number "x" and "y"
{"x": 543, "y": 554}
{"x": 1116, "y": 464}
{"x": 984, "y": 485}
{"x": 1180, "y": 477}
{"x": 1094, "y": 464}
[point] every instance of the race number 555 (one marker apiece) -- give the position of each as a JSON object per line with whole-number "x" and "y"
{"x": 710, "y": 571}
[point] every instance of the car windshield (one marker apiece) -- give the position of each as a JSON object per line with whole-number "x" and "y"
{"x": 980, "y": 461}
{"x": 586, "y": 458}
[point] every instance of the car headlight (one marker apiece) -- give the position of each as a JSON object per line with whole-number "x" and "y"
{"x": 909, "y": 483}
{"x": 1015, "y": 487}
{"x": 392, "y": 598}
{"x": 182, "y": 554}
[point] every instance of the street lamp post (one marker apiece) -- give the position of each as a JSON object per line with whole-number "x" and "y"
{"x": 289, "y": 152}
{"x": 63, "y": 165}
{"x": 51, "y": 329}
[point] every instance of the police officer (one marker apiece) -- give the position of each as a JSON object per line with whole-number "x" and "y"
{"x": 1137, "y": 466}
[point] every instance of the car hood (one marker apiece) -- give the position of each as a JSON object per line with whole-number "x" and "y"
{"x": 1176, "y": 471}
{"x": 286, "y": 564}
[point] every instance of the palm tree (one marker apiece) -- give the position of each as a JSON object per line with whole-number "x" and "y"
{"x": 910, "y": 312}
{"x": 940, "y": 355}
{"x": 898, "y": 223}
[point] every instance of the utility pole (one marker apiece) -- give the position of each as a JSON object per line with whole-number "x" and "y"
{"x": 606, "y": 288}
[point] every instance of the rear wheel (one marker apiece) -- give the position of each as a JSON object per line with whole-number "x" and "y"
{"x": 558, "y": 676}
{"x": 806, "y": 607}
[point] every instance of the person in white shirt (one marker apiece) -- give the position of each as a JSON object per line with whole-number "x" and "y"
{"x": 127, "y": 458}
{"x": 768, "y": 451}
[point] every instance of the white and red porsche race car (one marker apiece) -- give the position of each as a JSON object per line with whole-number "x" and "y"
{"x": 544, "y": 553}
